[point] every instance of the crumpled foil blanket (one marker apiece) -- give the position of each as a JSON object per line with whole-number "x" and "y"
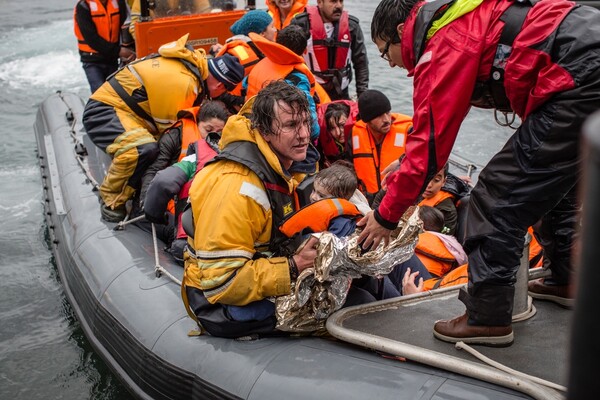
{"x": 321, "y": 290}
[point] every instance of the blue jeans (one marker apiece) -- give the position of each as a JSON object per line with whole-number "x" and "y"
{"x": 97, "y": 73}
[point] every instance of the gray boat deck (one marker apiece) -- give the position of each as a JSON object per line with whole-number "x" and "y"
{"x": 403, "y": 327}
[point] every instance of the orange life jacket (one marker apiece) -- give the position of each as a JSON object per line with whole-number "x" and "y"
{"x": 278, "y": 63}
{"x": 107, "y": 20}
{"x": 437, "y": 199}
{"x": 319, "y": 51}
{"x": 297, "y": 8}
{"x": 434, "y": 255}
{"x": 536, "y": 252}
{"x": 323, "y": 96}
{"x": 368, "y": 162}
{"x": 318, "y": 215}
{"x": 248, "y": 54}
{"x": 457, "y": 276}
{"x": 190, "y": 132}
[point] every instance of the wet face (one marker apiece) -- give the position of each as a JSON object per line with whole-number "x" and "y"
{"x": 336, "y": 128}
{"x": 270, "y": 32}
{"x": 210, "y": 125}
{"x": 319, "y": 192}
{"x": 331, "y": 10}
{"x": 291, "y": 134}
{"x": 382, "y": 124}
{"x": 434, "y": 185}
{"x": 284, "y": 5}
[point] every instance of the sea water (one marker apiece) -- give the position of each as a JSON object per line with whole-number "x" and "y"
{"x": 43, "y": 352}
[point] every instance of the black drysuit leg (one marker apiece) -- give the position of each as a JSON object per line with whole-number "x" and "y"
{"x": 533, "y": 177}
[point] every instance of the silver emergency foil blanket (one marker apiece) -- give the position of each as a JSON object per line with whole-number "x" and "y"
{"x": 321, "y": 290}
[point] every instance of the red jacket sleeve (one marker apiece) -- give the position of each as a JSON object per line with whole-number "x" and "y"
{"x": 444, "y": 79}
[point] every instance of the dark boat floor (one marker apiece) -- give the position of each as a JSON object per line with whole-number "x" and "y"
{"x": 539, "y": 349}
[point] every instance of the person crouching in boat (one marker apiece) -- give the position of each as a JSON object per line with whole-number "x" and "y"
{"x": 238, "y": 260}
{"x": 130, "y": 111}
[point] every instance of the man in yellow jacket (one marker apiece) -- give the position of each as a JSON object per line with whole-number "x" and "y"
{"x": 130, "y": 111}
{"x": 238, "y": 259}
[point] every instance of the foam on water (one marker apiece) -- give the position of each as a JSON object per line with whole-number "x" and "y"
{"x": 42, "y": 57}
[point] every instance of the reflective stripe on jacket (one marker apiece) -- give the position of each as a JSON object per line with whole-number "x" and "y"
{"x": 368, "y": 161}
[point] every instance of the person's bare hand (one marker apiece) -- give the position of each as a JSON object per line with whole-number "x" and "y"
{"x": 126, "y": 55}
{"x": 305, "y": 257}
{"x": 408, "y": 283}
{"x": 372, "y": 233}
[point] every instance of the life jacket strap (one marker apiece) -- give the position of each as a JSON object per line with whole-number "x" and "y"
{"x": 513, "y": 19}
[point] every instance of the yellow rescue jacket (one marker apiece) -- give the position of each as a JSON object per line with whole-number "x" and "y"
{"x": 370, "y": 163}
{"x": 233, "y": 221}
{"x": 278, "y": 63}
{"x": 153, "y": 89}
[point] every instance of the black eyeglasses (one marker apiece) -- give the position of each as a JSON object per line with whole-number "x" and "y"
{"x": 384, "y": 54}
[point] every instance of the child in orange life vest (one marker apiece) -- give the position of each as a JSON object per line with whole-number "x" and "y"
{"x": 340, "y": 182}
{"x": 442, "y": 200}
{"x": 439, "y": 252}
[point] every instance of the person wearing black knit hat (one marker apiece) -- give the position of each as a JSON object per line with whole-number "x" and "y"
{"x": 227, "y": 70}
{"x": 378, "y": 139}
{"x": 372, "y": 104}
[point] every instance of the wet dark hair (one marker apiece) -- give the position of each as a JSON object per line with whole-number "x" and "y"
{"x": 433, "y": 219}
{"x": 294, "y": 38}
{"x": 339, "y": 179}
{"x": 262, "y": 116}
{"x": 335, "y": 111}
{"x": 387, "y": 16}
{"x": 213, "y": 109}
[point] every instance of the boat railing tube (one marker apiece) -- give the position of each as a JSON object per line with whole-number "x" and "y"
{"x": 585, "y": 352}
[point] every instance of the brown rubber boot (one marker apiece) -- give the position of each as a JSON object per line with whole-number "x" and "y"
{"x": 458, "y": 330}
{"x": 560, "y": 294}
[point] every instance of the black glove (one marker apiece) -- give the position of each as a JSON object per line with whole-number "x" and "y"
{"x": 161, "y": 219}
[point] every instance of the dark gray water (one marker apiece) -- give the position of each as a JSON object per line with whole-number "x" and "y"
{"x": 43, "y": 353}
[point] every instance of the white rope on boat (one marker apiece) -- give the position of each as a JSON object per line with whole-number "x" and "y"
{"x": 502, "y": 367}
{"x": 159, "y": 269}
